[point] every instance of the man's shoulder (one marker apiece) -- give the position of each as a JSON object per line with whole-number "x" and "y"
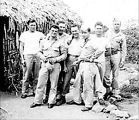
{"x": 67, "y": 35}
{"x": 25, "y": 32}
{"x": 40, "y": 33}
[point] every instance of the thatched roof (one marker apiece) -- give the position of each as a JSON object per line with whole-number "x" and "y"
{"x": 42, "y": 10}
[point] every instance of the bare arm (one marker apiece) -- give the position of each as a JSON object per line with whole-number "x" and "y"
{"x": 63, "y": 55}
{"x": 21, "y": 48}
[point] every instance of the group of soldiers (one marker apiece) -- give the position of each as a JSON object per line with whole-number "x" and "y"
{"x": 53, "y": 60}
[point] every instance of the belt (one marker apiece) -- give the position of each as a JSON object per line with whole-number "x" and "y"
{"x": 85, "y": 61}
{"x": 112, "y": 52}
{"x": 73, "y": 55}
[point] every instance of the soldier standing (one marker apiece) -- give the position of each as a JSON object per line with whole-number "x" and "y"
{"x": 115, "y": 57}
{"x": 74, "y": 49}
{"x": 63, "y": 38}
{"x": 52, "y": 53}
{"x": 29, "y": 47}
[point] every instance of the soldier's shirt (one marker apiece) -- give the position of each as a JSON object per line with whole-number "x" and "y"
{"x": 115, "y": 39}
{"x": 117, "y": 42}
{"x": 52, "y": 48}
{"x": 64, "y": 38}
{"x": 76, "y": 46}
{"x": 31, "y": 41}
{"x": 94, "y": 47}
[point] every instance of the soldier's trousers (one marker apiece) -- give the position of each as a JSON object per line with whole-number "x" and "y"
{"x": 69, "y": 73}
{"x": 92, "y": 84}
{"x": 32, "y": 61}
{"x": 61, "y": 78}
{"x": 46, "y": 71}
{"x": 101, "y": 68}
{"x": 112, "y": 65}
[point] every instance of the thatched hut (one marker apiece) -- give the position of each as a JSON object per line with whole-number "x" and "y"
{"x": 13, "y": 17}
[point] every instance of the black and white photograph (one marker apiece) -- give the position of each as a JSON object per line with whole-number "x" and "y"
{"x": 69, "y": 59}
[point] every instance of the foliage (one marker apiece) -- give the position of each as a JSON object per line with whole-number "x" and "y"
{"x": 132, "y": 37}
{"x": 130, "y": 89}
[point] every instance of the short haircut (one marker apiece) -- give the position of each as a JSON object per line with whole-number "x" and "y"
{"x": 105, "y": 28}
{"x": 116, "y": 20}
{"x": 99, "y": 23}
{"x": 54, "y": 26}
{"x": 60, "y": 22}
{"x": 31, "y": 21}
{"x": 75, "y": 26}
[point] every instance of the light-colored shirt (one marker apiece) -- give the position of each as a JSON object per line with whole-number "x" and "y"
{"x": 31, "y": 41}
{"x": 52, "y": 48}
{"x": 64, "y": 38}
{"x": 118, "y": 42}
{"x": 95, "y": 47}
{"x": 76, "y": 46}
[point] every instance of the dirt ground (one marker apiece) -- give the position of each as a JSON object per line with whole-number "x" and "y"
{"x": 18, "y": 109}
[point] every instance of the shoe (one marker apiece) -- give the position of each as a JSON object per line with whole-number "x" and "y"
{"x": 118, "y": 97}
{"x": 45, "y": 101}
{"x": 23, "y": 96}
{"x": 86, "y": 109}
{"x": 73, "y": 103}
{"x": 108, "y": 94}
{"x": 101, "y": 101}
{"x": 62, "y": 101}
{"x": 59, "y": 96}
{"x": 31, "y": 94}
{"x": 50, "y": 105}
{"x": 34, "y": 105}
{"x": 116, "y": 94}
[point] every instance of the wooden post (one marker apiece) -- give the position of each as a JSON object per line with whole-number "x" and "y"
{"x": 17, "y": 39}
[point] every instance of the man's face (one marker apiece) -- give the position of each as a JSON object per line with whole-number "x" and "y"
{"x": 85, "y": 34}
{"x": 62, "y": 27}
{"x": 53, "y": 32}
{"x": 32, "y": 27}
{"x": 75, "y": 32}
{"x": 99, "y": 30}
{"x": 116, "y": 25}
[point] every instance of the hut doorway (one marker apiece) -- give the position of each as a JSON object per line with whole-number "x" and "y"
{"x": 10, "y": 60}
{"x": 3, "y": 82}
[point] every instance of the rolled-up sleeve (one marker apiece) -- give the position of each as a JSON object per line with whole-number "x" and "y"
{"x": 63, "y": 54}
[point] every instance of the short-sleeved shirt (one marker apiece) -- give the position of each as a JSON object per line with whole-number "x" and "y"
{"x": 115, "y": 39}
{"x": 94, "y": 46}
{"x": 118, "y": 42}
{"x": 31, "y": 41}
{"x": 76, "y": 46}
{"x": 64, "y": 38}
{"x": 52, "y": 48}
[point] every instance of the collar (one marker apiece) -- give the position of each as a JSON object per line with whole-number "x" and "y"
{"x": 48, "y": 37}
{"x": 63, "y": 35}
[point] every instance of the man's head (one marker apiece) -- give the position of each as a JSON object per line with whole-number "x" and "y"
{"x": 54, "y": 31}
{"x": 62, "y": 27}
{"x": 32, "y": 25}
{"x": 98, "y": 28}
{"x": 116, "y": 24}
{"x": 85, "y": 32}
{"x": 75, "y": 31}
{"x": 105, "y": 28}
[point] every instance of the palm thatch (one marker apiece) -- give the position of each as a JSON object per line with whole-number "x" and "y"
{"x": 44, "y": 11}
